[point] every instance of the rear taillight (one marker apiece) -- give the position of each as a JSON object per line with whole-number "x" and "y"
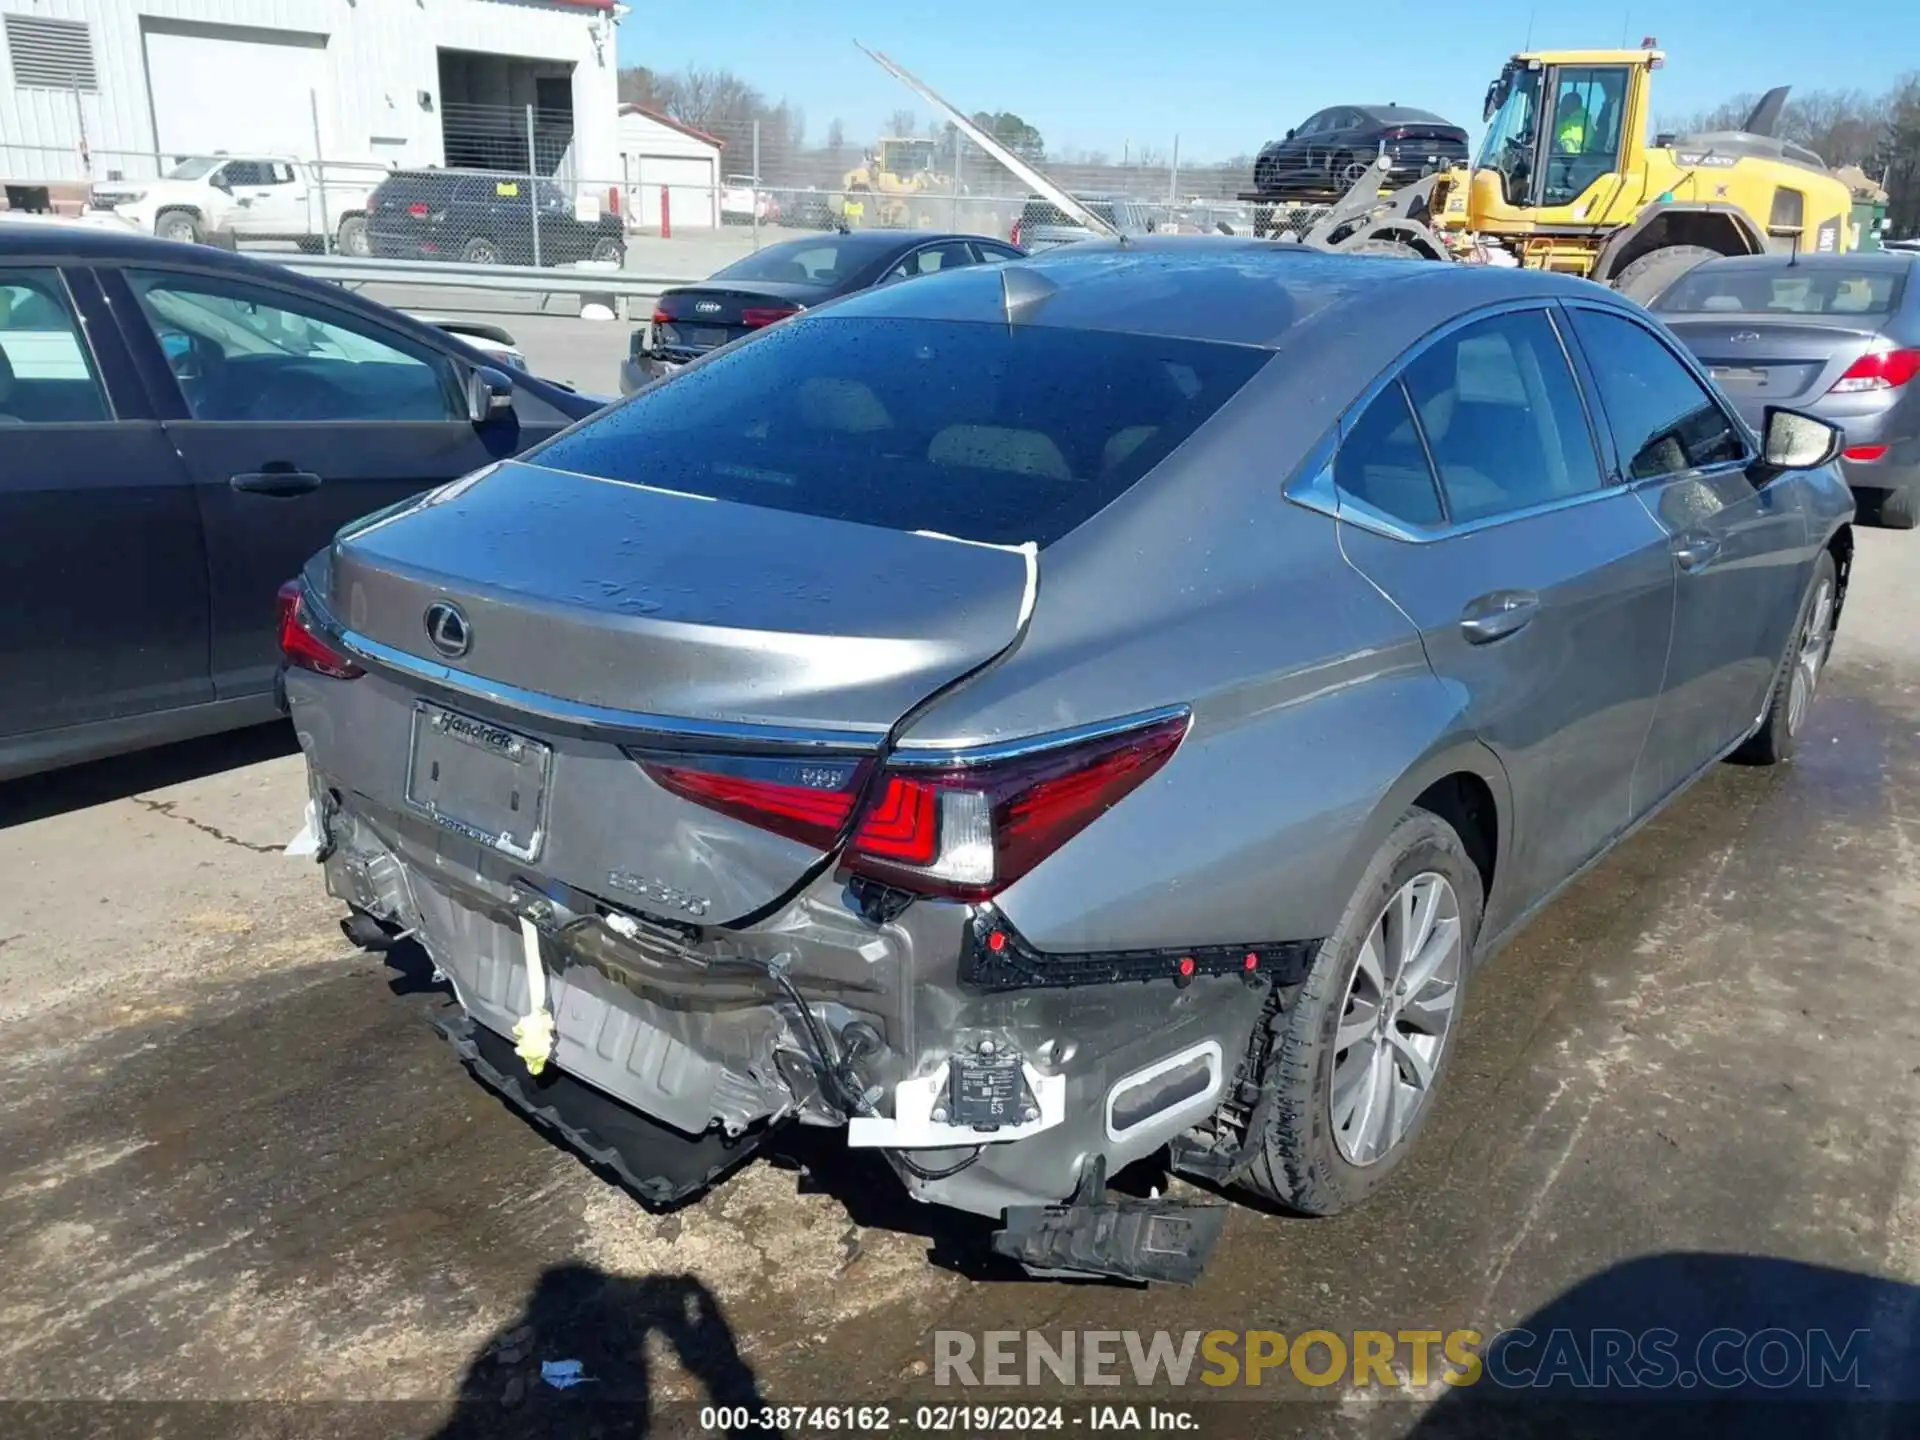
{"x": 957, "y": 829}
{"x": 302, "y": 648}
{"x": 1879, "y": 370}
{"x": 756, "y": 317}
{"x": 417, "y": 210}
{"x": 1866, "y": 452}
{"x": 660, "y": 317}
{"x": 1013, "y": 235}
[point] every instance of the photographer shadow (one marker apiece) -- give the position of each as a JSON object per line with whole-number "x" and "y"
{"x": 606, "y": 1322}
{"x": 1696, "y": 1344}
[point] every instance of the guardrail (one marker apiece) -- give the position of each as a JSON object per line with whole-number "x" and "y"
{"x": 593, "y": 285}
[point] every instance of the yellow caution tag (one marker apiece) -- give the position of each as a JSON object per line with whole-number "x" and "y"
{"x": 508, "y": 188}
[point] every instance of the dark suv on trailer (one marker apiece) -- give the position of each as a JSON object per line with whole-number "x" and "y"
{"x": 485, "y": 218}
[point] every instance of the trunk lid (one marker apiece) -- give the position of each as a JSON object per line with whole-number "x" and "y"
{"x": 1762, "y": 360}
{"x": 623, "y": 598}
{"x": 607, "y": 623}
{"x": 698, "y": 318}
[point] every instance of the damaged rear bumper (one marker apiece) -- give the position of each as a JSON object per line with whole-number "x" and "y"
{"x": 995, "y": 1080}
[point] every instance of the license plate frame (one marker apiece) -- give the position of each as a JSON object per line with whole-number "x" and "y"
{"x": 1752, "y": 376}
{"x": 451, "y": 752}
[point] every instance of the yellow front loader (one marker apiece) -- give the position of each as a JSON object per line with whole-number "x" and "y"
{"x": 884, "y": 188}
{"x": 1570, "y": 177}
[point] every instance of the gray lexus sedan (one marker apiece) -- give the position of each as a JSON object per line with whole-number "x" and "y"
{"x": 1054, "y": 714}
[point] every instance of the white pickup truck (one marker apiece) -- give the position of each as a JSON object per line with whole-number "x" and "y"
{"x": 225, "y": 198}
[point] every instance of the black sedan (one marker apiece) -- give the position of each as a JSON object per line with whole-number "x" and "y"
{"x": 783, "y": 280}
{"x": 1327, "y": 152}
{"x": 180, "y": 429}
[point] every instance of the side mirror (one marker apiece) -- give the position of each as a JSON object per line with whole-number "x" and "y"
{"x": 1792, "y": 441}
{"x": 489, "y": 392}
{"x": 1291, "y": 134}
{"x": 218, "y": 179}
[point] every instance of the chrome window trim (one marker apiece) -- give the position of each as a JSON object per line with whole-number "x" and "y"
{"x": 1313, "y": 486}
{"x": 1751, "y": 443}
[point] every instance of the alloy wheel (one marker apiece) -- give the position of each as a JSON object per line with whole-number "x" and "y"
{"x": 1396, "y": 1019}
{"x": 1810, "y": 656}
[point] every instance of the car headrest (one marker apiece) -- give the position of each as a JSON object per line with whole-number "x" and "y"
{"x": 995, "y": 447}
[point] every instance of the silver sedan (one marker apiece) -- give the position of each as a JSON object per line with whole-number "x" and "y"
{"x": 1057, "y": 713}
{"x": 1835, "y": 335}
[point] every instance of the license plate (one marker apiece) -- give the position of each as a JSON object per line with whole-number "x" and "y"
{"x": 704, "y": 336}
{"x": 986, "y": 1091}
{"x": 479, "y": 781}
{"x": 1740, "y": 375}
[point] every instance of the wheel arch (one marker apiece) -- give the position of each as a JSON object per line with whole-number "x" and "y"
{"x": 1464, "y": 784}
{"x": 1714, "y": 227}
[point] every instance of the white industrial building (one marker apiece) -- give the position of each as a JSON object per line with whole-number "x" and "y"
{"x": 103, "y": 89}
{"x": 671, "y": 166}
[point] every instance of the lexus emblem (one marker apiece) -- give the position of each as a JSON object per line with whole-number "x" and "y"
{"x": 447, "y": 629}
{"x": 1745, "y": 336}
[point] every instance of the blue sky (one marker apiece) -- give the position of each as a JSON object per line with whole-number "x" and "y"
{"x": 1225, "y": 75}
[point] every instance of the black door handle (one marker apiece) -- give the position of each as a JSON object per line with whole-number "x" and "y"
{"x": 1498, "y": 614}
{"x": 281, "y": 484}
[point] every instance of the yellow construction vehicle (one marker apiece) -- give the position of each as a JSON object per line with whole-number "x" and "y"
{"x": 1569, "y": 177}
{"x": 883, "y": 188}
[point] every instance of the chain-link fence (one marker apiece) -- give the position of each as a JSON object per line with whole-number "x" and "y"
{"x": 539, "y": 185}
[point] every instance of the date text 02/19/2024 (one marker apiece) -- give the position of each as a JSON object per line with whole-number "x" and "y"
{"x": 937, "y": 1419}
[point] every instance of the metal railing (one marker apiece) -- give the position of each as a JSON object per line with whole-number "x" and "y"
{"x": 595, "y": 285}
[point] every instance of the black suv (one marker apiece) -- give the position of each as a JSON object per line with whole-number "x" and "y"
{"x": 485, "y": 218}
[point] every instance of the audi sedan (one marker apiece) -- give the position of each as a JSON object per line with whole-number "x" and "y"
{"x": 1838, "y": 335}
{"x": 782, "y": 280}
{"x": 1055, "y": 713}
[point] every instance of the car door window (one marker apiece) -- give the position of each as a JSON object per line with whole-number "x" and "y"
{"x": 1664, "y": 420}
{"x": 932, "y": 259}
{"x": 1503, "y": 417}
{"x": 243, "y": 173}
{"x": 46, "y": 375}
{"x": 242, "y": 352}
{"x": 1382, "y": 462}
{"x": 989, "y": 253}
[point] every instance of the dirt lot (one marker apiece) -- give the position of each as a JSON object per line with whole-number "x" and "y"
{"x": 236, "y": 1164}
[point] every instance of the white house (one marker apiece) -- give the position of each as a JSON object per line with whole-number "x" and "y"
{"x": 105, "y": 89}
{"x": 662, "y": 159}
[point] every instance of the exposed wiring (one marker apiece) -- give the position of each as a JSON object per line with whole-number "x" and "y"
{"x": 843, "y": 1092}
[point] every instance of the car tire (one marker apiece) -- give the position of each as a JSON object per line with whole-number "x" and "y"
{"x": 480, "y": 251}
{"x": 179, "y": 225}
{"x": 1797, "y": 679}
{"x": 353, "y": 238}
{"x": 1899, "y": 509}
{"x": 1645, "y": 278}
{"x": 608, "y": 250}
{"x": 1307, "y": 1155}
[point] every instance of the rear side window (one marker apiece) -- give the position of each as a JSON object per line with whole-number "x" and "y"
{"x": 1785, "y": 290}
{"x": 1664, "y": 421}
{"x": 1503, "y": 418}
{"x": 985, "y": 432}
{"x": 46, "y": 375}
{"x": 1383, "y": 464}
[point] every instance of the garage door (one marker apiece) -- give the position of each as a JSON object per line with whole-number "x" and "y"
{"x": 227, "y": 88}
{"x": 690, "y": 181}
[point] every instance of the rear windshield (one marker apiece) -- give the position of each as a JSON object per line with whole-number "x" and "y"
{"x": 986, "y": 432}
{"x": 1785, "y": 290}
{"x": 802, "y": 262}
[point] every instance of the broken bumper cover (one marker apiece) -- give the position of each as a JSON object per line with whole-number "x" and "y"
{"x": 675, "y": 1048}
